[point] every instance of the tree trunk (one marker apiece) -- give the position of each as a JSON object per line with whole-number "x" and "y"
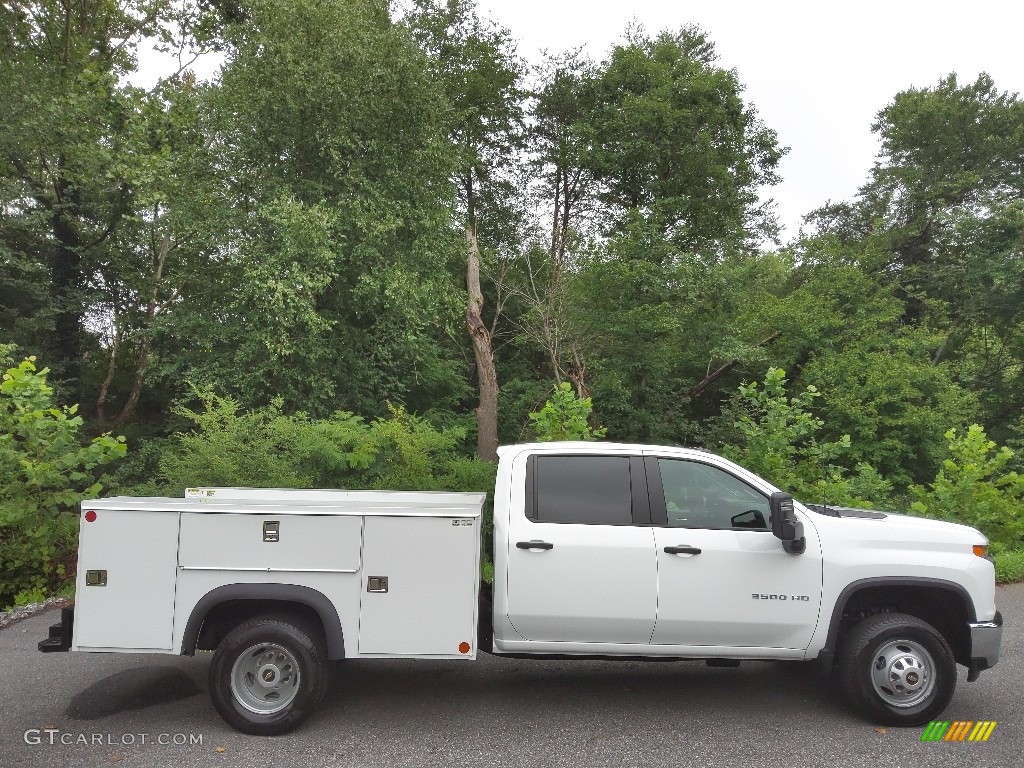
{"x": 65, "y": 287}
{"x": 487, "y": 377}
{"x": 115, "y": 347}
{"x": 143, "y": 355}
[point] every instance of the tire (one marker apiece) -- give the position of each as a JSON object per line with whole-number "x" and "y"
{"x": 268, "y": 675}
{"x": 897, "y": 669}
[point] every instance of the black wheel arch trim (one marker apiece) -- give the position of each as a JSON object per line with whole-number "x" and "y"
{"x": 292, "y": 593}
{"x": 828, "y": 652}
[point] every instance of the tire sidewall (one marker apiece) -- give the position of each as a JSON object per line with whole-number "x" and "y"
{"x": 309, "y": 657}
{"x": 860, "y": 660}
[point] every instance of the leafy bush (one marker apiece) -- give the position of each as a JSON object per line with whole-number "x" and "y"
{"x": 565, "y": 417}
{"x": 777, "y": 437}
{"x": 44, "y": 474}
{"x": 975, "y": 486}
{"x": 267, "y": 448}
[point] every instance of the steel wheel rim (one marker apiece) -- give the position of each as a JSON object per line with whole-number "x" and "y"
{"x": 902, "y": 673}
{"x": 265, "y": 678}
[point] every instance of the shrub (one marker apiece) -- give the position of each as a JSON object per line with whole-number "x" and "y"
{"x": 975, "y": 486}
{"x": 777, "y": 437}
{"x": 1009, "y": 566}
{"x": 44, "y": 474}
{"x": 565, "y": 417}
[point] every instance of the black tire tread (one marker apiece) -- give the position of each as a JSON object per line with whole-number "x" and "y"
{"x": 851, "y": 668}
{"x": 278, "y": 627}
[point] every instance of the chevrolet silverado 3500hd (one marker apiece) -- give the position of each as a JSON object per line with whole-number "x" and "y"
{"x": 600, "y": 549}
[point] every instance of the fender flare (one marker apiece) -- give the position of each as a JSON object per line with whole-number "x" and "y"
{"x": 292, "y": 593}
{"x": 828, "y": 652}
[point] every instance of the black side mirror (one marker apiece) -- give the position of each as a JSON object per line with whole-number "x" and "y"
{"x": 785, "y": 524}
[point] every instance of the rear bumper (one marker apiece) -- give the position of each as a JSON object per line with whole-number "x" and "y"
{"x": 60, "y": 634}
{"x": 986, "y": 637}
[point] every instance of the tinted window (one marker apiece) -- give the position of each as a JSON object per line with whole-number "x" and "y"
{"x": 583, "y": 489}
{"x": 701, "y": 496}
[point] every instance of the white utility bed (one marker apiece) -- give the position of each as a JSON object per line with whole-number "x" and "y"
{"x": 158, "y": 557}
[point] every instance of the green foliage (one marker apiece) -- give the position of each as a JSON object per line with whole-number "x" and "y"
{"x": 672, "y": 142}
{"x": 1009, "y": 566}
{"x": 976, "y": 487}
{"x": 268, "y": 448}
{"x": 44, "y": 474}
{"x": 565, "y": 417}
{"x": 779, "y": 439}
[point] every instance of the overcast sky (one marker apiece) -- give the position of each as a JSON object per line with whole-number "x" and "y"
{"x": 817, "y": 71}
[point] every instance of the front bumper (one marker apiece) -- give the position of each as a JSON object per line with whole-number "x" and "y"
{"x": 985, "y": 639}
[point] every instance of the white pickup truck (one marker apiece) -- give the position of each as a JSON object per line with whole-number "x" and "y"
{"x": 600, "y": 549}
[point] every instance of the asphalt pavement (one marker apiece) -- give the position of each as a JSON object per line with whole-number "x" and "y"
{"x": 71, "y": 709}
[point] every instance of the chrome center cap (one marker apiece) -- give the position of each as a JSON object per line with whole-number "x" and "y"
{"x": 268, "y": 675}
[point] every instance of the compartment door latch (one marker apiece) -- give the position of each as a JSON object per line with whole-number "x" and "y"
{"x": 272, "y": 530}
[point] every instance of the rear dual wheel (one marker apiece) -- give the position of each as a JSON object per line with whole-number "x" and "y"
{"x": 268, "y": 675}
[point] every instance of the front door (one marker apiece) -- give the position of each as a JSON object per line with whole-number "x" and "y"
{"x": 724, "y": 579}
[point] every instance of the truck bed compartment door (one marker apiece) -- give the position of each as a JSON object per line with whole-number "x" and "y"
{"x": 130, "y": 558}
{"x": 419, "y": 586}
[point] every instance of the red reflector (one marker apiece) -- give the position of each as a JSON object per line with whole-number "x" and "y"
{"x": 463, "y": 647}
{"x": 90, "y": 516}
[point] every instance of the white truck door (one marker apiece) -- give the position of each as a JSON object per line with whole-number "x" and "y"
{"x": 580, "y": 569}
{"x": 724, "y": 579}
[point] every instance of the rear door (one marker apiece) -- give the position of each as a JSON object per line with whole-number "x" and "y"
{"x": 581, "y": 561}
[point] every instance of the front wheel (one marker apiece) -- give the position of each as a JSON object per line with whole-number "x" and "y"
{"x": 268, "y": 675}
{"x": 897, "y": 669}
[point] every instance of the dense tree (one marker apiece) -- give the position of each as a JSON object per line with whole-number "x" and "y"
{"x": 941, "y": 219}
{"x": 476, "y": 65}
{"x": 329, "y": 284}
{"x": 67, "y": 149}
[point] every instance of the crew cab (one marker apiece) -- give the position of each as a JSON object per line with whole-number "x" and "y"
{"x": 599, "y": 550}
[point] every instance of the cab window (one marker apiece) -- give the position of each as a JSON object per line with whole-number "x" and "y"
{"x": 702, "y": 496}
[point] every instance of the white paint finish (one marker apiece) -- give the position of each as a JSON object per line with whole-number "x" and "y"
{"x": 659, "y": 651}
{"x": 228, "y": 541}
{"x": 564, "y": 593}
{"x": 331, "y": 496}
{"x": 342, "y": 589}
{"x": 597, "y": 584}
{"x": 135, "y": 609}
{"x": 433, "y": 570}
{"x": 391, "y": 504}
{"x": 706, "y": 599}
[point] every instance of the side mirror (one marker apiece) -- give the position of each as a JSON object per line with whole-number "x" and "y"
{"x": 785, "y": 525}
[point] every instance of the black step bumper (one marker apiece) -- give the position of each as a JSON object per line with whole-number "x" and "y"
{"x": 60, "y": 634}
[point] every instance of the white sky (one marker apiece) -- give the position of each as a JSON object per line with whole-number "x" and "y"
{"x": 817, "y": 71}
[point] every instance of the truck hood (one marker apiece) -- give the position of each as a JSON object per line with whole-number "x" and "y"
{"x": 873, "y": 524}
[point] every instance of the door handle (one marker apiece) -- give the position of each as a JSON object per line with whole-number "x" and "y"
{"x": 534, "y": 545}
{"x": 683, "y": 550}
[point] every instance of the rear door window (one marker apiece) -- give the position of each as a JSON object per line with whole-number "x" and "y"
{"x": 592, "y": 490}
